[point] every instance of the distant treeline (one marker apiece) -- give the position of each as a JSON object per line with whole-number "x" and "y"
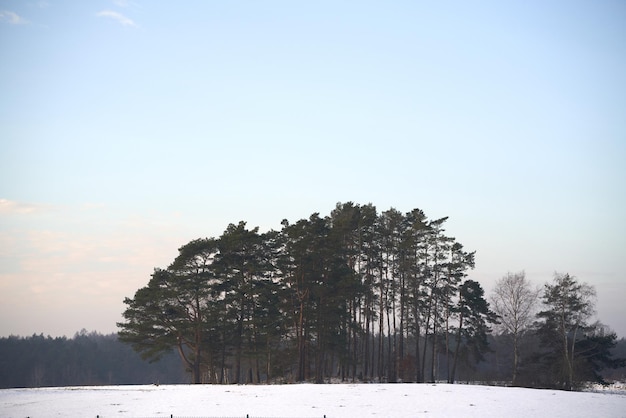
{"x": 534, "y": 370}
{"x": 96, "y": 359}
{"x": 85, "y": 359}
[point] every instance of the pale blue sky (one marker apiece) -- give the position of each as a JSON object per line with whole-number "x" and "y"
{"x": 128, "y": 128}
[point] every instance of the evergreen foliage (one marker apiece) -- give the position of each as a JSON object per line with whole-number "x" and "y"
{"x": 354, "y": 295}
{"x": 573, "y": 350}
{"x": 474, "y": 319}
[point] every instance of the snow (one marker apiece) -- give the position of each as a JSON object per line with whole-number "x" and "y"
{"x": 308, "y": 400}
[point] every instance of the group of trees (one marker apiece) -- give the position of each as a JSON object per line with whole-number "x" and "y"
{"x": 356, "y": 295}
{"x": 552, "y": 341}
{"x": 359, "y": 295}
{"x": 84, "y": 359}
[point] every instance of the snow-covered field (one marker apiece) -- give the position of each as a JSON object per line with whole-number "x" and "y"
{"x": 308, "y": 400}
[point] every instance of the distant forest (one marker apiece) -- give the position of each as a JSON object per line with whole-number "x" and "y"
{"x": 86, "y": 359}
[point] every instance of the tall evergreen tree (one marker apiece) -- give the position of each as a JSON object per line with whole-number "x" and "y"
{"x": 173, "y": 310}
{"x": 568, "y": 306}
{"x": 391, "y": 231}
{"x": 244, "y": 270}
{"x": 436, "y": 249}
{"x": 474, "y": 319}
{"x": 458, "y": 264}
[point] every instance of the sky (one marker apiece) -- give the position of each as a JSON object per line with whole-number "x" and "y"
{"x": 129, "y": 128}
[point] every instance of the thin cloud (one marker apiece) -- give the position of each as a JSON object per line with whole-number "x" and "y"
{"x": 12, "y": 18}
{"x": 88, "y": 206}
{"x": 120, "y": 18}
{"x": 12, "y": 207}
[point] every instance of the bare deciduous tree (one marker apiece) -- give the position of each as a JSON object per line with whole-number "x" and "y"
{"x": 514, "y": 300}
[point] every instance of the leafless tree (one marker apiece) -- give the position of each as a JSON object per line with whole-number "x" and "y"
{"x": 514, "y": 299}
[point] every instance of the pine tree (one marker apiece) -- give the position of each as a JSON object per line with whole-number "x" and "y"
{"x": 174, "y": 309}
{"x": 569, "y": 305}
{"x": 474, "y": 319}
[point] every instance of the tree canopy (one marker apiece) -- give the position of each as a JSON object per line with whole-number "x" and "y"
{"x": 574, "y": 348}
{"x": 355, "y": 294}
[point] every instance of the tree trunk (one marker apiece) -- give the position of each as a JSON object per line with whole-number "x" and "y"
{"x": 418, "y": 368}
{"x": 366, "y": 341}
{"x": 515, "y": 357}
{"x": 238, "y": 349}
{"x": 566, "y": 357}
{"x": 393, "y": 358}
{"x": 389, "y": 361}
{"x": 268, "y": 360}
{"x": 457, "y": 349}
{"x": 423, "y": 378}
{"x": 434, "y": 352}
{"x": 301, "y": 346}
{"x": 381, "y": 324}
{"x": 400, "y": 356}
{"x": 194, "y": 366}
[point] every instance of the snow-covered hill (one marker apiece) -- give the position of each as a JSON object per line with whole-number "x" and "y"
{"x": 308, "y": 400}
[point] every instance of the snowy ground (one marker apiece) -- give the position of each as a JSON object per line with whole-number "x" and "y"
{"x": 308, "y": 400}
